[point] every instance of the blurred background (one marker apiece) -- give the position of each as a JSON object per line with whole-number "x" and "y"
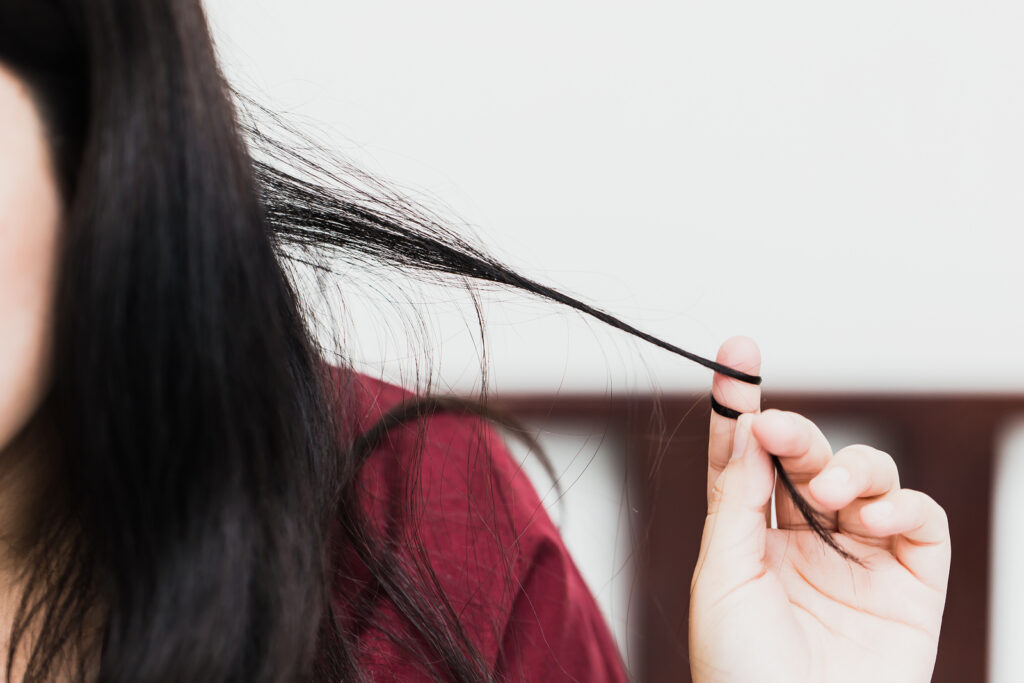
{"x": 842, "y": 182}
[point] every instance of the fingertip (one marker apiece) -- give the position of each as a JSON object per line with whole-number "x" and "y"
{"x": 740, "y": 353}
{"x": 773, "y": 419}
{"x": 781, "y": 432}
{"x": 831, "y": 488}
{"x": 878, "y": 515}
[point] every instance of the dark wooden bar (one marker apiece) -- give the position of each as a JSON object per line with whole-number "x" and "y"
{"x": 945, "y": 446}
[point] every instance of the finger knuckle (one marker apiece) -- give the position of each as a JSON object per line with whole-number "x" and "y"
{"x": 929, "y": 507}
{"x": 717, "y": 491}
{"x": 868, "y": 456}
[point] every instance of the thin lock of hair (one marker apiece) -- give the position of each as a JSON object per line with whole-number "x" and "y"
{"x": 328, "y": 213}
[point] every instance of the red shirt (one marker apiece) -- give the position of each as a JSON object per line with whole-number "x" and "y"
{"x": 497, "y": 555}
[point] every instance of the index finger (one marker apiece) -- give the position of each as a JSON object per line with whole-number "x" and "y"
{"x": 739, "y": 353}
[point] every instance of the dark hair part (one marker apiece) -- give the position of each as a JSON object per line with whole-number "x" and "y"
{"x": 202, "y": 448}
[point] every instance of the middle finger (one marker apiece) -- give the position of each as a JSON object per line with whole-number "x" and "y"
{"x": 803, "y": 451}
{"x": 857, "y": 475}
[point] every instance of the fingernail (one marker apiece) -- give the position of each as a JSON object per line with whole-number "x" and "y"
{"x": 740, "y": 437}
{"x": 877, "y": 512}
{"x": 834, "y": 477}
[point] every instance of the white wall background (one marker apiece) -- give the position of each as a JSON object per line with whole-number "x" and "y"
{"x": 842, "y": 181}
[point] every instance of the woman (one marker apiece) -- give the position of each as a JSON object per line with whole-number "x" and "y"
{"x": 192, "y": 494}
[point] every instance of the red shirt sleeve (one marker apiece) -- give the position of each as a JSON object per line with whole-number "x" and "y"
{"x": 497, "y": 555}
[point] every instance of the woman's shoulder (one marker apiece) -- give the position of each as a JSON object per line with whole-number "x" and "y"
{"x": 466, "y": 493}
{"x": 447, "y": 488}
{"x": 449, "y": 481}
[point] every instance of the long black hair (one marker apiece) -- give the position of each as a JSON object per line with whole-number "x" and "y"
{"x": 198, "y": 449}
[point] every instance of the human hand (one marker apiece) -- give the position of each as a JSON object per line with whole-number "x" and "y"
{"x": 778, "y": 604}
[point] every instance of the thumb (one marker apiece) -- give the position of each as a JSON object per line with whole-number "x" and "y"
{"x": 734, "y": 530}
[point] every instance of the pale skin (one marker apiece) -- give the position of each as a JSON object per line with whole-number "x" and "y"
{"x": 30, "y": 209}
{"x": 777, "y": 604}
{"x": 30, "y": 215}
